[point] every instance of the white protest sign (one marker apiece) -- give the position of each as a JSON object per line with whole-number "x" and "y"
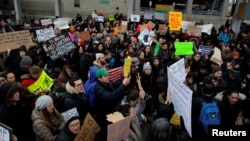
{"x": 5, "y": 132}
{"x": 62, "y": 23}
{"x": 145, "y": 38}
{"x": 160, "y": 16}
{"x": 148, "y": 16}
{"x": 46, "y": 21}
{"x": 179, "y": 69}
{"x": 135, "y": 18}
{"x": 44, "y": 34}
{"x": 216, "y": 57}
{"x": 100, "y": 18}
{"x": 181, "y": 97}
{"x": 185, "y": 24}
{"x": 207, "y": 28}
{"x": 204, "y": 50}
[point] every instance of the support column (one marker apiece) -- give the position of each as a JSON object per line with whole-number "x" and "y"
{"x": 57, "y": 8}
{"x": 130, "y": 5}
{"x": 224, "y": 9}
{"x": 137, "y": 6}
{"x": 189, "y": 6}
{"x": 17, "y": 5}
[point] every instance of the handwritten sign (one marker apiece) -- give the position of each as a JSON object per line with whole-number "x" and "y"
{"x": 13, "y": 40}
{"x": 183, "y": 48}
{"x": 88, "y": 130}
{"x": 84, "y": 35}
{"x": 59, "y": 46}
{"x": 205, "y": 50}
{"x": 127, "y": 66}
{"x": 216, "y": 57}
{"x": 44, "y": 34}
{"x": 5, "y": 132}
{"x": 43, "y": 82}
{"x": 194, "y": 30}
{"x": 175, "y": 19}
{"x": 46, "y": 21}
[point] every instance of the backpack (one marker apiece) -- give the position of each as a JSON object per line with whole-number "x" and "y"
{"x": 209, "y": 114}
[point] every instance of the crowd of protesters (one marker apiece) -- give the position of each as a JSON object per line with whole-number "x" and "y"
{"x": 81, "y": 80}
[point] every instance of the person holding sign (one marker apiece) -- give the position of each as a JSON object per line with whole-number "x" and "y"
{"x": 108, "y": 96}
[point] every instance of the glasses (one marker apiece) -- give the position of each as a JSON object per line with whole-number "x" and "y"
{"x": 74, "y": 125}
{"x": 78, "y": 85}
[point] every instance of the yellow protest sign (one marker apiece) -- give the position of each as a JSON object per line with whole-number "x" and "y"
{"x": 175, "y": 19}
{"x": 43, "y": 82}
{"x": 127, "y": 66}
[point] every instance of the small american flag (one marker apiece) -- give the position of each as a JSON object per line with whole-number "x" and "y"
{"x": 115, "y": 74}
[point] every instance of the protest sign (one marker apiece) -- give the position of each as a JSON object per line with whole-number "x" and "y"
{"x": 59, "y": 46}
{"x": 111, "y": 17}
{"x": 175, "y": 19}
{"x": 207, "y": 28}
{"x": 135, "y": 18}
{"x": 194, "y": 30}
{"x": 46, "y": 21}
{"x": 6, "y": 132}
{"x": 115, "y": 74}
{"x": 160, "y": 16}
{"x": 62, "y": 23}
{"x": 127, "y": 66}
{"x": 183, "y": 48}
{"x": 44, "y": 34}
{"x": 13, "y": 40}
{"x": 179, "y": 69}
{"x": 88, "y": 130}
{"x": 185, "y": 24}
{"x": 119, "y": 130}
{"x": 151, "y": 24}
{"x": 148, "y": 16}
{"x": 84, "y": 35}
{"x": 42, "y": 83}
{"x": 204, "y": 50}
{"x": 145, "y": 38}
{"x": 181, "y": 97}
{"x": 124, "y": 25}
{"x": 216, "y": 57}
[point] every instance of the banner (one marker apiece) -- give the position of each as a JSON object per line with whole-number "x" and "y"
{"x": 13, "y": 40}
{"x": 135, "y": 18}
{"x": 88, "y": 130}
{"x": 205, "y": 50}
{"x": 46, "y": 21}
{"x": 43, "y": 82}
{"x": 84, "y": 35}
{"x": 115, "y": 74}
{"x": 175, "y": 19}
{"x": 6, "y": 132}
{"x": 183, "y": 48}
{"x": 44, "y": 34}
{"x": 59, "y": 46}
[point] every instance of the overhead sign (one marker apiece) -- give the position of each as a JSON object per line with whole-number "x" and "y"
{"x": 59, "y": 46}
{"x": 13, "y": 40}
{"x": 175, "y": 19}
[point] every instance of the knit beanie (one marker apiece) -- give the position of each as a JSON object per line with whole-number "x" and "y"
{"x": 70, "y": 115}
{"x": 216, "y": 69}
{"x": 26, "y": 60}
{"x": 234, "y": 72}
{"x": 43, "y": 101}
{"x": 146, "y": 66}
{"x": 98, "y": 55}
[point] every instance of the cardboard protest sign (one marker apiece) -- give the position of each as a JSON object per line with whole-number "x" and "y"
{"x": 13, "y": 40}
{"x": 43, "y": 82}
{"x": 175, "y": 19}
{"x": 115, "y": 74}
{"x": 88, "y": 130}
{"x": 204, "y": 50}
{"x": 44, "y": 34}
{"x": 216, "y": 57}
{"x": 183, "y": 48}
{"x": 185, "y": 24}
{"x": 127, "y": 66}
{"x": 84, "y": 35}
{"x": 143, "y": 27}
{"x": 46, "y": 21}
{"x": 194, "y": 30}
{"x": 151, "y": 24}
{"x": 59, "y": 46}
{"x": 135, "y": 18}
{"x": 119, "y": 130}
{"x": 6, "y": 132}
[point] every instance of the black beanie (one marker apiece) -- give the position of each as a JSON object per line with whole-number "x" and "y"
{"x": 216, "y": 69}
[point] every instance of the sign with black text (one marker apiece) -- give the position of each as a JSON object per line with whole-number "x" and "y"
{"x": 5, "y": 132}
{"x": 59, "y": 46}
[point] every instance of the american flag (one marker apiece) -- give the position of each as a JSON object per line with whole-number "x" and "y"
{"x": 115, "y": 74}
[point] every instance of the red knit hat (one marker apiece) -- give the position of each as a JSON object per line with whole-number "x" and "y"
{"x": 235, "y": 54}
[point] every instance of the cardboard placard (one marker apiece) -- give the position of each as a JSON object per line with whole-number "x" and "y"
{"x": 194, "y": 30}
{"x": 13, "y": 40}
{"x": 46, "y": 21}
{"x": 84, "y": 35}
{"x": 216, "y": 57}
{"x": 59, "y": 46}
{"x": 88, "y": 130}
{"x": 175, "y": 19}
{"x": 151, "y": 24}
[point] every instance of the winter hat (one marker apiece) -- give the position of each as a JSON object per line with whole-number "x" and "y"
{"x": 216, "y": 69}
{"x": 235, "y": 72}
{"x": 22, "y": 48}
{"x": 235, "y": 54}
{"x": 98, "y": 55}
{"x": 101, "y": 72}
{"x": 26, "y": 60}
{"x": 70, "y": 115}
{"x": 43, "y": 101}
{"x": 146, "y": 66}
{"x": 135, "y": 61}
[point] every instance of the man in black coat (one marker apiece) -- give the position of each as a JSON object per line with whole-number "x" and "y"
{"x": 86, "y": 60}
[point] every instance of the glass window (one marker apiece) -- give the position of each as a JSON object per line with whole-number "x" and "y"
{"x": 76, "y": 3}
